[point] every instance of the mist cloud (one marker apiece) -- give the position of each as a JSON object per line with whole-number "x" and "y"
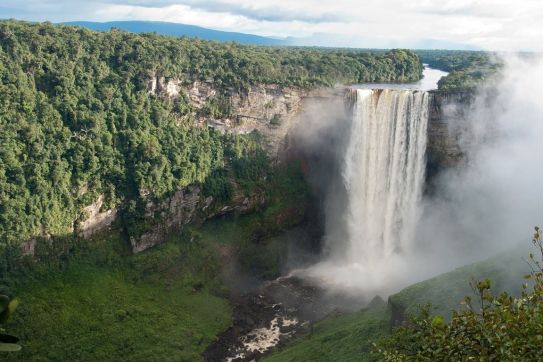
{"x": 495, "y": 201}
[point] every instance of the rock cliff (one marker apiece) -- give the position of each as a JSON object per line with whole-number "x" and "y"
{"x": 269, "y": 109}
{"x": 188, "y": 205}
{"x": 448, "y": 113}
{"x": 272, "y": 110}
{"x": 96, "y": 219}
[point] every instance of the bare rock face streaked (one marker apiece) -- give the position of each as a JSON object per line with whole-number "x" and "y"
{"x": 176, "y": 211}
{"x": 267, "y": 108}
{"x": 96, "y": 219}
{"x": 448, "y": 113}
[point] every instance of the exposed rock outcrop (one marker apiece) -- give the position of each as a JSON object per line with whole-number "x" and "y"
{"x": 160, "y": 85}
{"x": 200, "y": 92}
{"x": 189, "y": 205}
{"x": 175, "y": 211}
{"x": 448, "y": 114}
{"x": 96, "y": 220}
{"x": 269, "y": 109}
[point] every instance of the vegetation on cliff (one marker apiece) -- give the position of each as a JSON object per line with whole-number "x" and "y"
{"x": 77, "y": 119}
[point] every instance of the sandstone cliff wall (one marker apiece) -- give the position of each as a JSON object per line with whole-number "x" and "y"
{"x": 270, "y": 109}
{"x": 448, "y": 114}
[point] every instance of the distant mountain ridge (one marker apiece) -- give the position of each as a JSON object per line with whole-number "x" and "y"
{"x": 315, "y": 40}
{"x": 175, "y": 29}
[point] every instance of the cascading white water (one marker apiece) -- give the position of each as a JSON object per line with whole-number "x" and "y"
{"x": 384, "y": 171}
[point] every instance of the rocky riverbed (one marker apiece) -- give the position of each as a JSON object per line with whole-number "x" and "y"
{"x": 268, "y": 317}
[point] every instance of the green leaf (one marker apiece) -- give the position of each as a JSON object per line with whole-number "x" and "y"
{"x": 9, "y": 347}
{"x": 438, "y": 321}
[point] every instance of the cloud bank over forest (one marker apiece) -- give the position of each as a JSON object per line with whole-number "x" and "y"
{"x": 479, "y": 24}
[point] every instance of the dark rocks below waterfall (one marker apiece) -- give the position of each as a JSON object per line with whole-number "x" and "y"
{"x": 270, "y": 316}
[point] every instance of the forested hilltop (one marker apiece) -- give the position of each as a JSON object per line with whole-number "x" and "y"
{"x": 78, "y": 120}
{"x": 467, "y": 69}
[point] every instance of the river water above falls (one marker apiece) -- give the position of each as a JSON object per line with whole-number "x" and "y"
{"x": 430, "y": 78}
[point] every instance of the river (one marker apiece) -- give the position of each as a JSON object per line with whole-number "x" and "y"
{"x": 430, "y": 78}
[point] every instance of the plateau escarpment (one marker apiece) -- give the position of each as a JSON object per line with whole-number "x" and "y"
{"x": 270, "y": 110}
{"x": 108, "y": 129}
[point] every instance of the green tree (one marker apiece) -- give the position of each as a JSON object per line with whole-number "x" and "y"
{"x": 8, "y": 343}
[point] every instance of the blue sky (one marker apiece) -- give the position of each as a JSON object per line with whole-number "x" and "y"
{"x": 485, "y": 24}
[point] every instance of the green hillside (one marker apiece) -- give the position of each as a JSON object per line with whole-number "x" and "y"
{"x": 350, "y": 337}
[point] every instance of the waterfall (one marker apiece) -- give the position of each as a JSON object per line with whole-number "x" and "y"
{"x": 383, "y": 172}
{"x": 370, "y": 231}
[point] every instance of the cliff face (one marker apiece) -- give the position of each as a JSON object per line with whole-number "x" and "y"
{"x": 448, "y": 113}
{"x": 188, "y": 205}
{"x": 272, "y": 111}
{"x": 269, "y": 109}
{"x": 96, "y": 219}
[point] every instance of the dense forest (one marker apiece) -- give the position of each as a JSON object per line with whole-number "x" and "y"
{"x": 77, "y": 119}
{"x": 468, "y": 69}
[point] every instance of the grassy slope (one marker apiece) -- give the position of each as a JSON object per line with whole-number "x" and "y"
{"x": 445, "y": 292}
{"x": 91, "y": 313}
{"x": 154, "y": 306}
{"x": 349, "y": 337}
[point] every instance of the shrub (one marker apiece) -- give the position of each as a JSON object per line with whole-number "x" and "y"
{"x": 496, "y": 328}
{"x": 276, "y": 120}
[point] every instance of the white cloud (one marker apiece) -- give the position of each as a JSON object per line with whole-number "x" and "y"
{"x": 489, "y": 24}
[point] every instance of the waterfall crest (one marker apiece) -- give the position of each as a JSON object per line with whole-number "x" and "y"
{"x": 383, "y": 171}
